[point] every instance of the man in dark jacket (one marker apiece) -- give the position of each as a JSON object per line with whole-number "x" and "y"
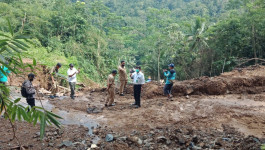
{"x": 30, "y": 90}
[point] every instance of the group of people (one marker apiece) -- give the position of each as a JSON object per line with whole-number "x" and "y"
{"x": 137, "y": 76}
{"x": 28, "y": 90}
{"x": 138, "y": 81}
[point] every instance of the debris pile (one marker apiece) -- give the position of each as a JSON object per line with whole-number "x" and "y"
{"x": 249, "y": 80}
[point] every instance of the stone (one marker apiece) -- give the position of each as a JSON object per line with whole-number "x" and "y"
{"x": 51, "y": 144}
{"x": 161, "y": 139}
{"x": 94, "y": 146}
{"x": 37, "y": 133}
{"x": 94, "y": 110}
{"x": 168, "y": 142}
{"x": 67, "y": 143}
{"x": 109, "y": 138}
{"x": 139, "y": 141}
{"x": 123, "y": 138}
{"x": 195, "y": 139}
{"x": 181, "y": 141}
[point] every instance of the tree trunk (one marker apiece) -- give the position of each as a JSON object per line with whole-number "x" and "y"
{"x": 158, "y": 64}
{"x": 254, "y": 43}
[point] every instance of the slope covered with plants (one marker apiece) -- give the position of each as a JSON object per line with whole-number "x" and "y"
{"x": 201, "y": 37}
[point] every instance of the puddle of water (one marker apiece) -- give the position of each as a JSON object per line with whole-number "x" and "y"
{"x": 69, "y": 117}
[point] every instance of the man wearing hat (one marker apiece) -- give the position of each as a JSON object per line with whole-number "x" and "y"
{"x": 72, "y": 79}
{"x": 170, "y": 77}
{"x": 54, "y": 78}
{"x": 111, "y": 89}
{"x": 30, "y": 90}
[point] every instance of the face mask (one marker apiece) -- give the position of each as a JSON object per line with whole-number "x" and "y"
{"x": 137, "y": 70}
{"x": 30, "y": 79}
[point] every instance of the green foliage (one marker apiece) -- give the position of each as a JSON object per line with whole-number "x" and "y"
{"x": 197, "y": 35}
{"x": 11, "y": 47}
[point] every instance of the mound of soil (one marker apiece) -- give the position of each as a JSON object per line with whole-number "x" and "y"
{"x": 41, "y": 77}
{"x": 249, "y": 80}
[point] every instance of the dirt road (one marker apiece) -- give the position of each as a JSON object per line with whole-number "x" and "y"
{"x": 197, "y": 121}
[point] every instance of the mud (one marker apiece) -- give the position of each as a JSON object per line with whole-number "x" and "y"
{"x": 249, "y": 80}
{"x": 229, "y": 118}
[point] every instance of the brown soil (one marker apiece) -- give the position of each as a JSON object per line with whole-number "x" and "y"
{"x": 220, "y": 112}
{"x": 249, "y": 80}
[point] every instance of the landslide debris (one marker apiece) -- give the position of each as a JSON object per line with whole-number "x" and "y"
{"x": 250, "y": 80}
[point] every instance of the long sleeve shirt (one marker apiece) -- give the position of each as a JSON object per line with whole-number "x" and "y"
{"x": 122, "y": 73}
{"x": 138, "y": 78}
{"x": 170, "y": 75}
{"x": 111, "y": 81}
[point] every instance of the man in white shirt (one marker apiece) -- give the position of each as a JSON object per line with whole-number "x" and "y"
{"x": 72, "y": 79}
{"x": 138, "y": 81}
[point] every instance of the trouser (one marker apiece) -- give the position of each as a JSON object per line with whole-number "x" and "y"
{"x": 54, "y": 87}
{"x": 111, "y": 95}
{"x": 167, "y": 89}
{"x": 137, "y": 94}
{"x": 31, "y": 102}
{"x": 122, "y": 86}
{"x": 72, "y": 87}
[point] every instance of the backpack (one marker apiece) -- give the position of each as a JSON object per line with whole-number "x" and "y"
{"x": 24, "y": 91}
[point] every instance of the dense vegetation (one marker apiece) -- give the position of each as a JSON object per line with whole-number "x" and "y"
{"x": 202, "y": 37}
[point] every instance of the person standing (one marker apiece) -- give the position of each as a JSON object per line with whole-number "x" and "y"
{"x": 72, "y": 79}
{"x": 3, "y": 76}
{"x": 111, "y": 89}
{"x": 54, "y": 78}
{"x": 28, "y": 90}
{"x": 123, "y": 77}
{"x": 170, "y": 77}
{"x": 138, "y": 81}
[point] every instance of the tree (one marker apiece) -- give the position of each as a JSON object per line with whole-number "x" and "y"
{"x": 11, "y": 46}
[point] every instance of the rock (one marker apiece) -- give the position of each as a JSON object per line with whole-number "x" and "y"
{"x": 51, "y": 144}
{"x": 161, "y": 139}
{"x": 195, "y": 139}
{"x": 65, "y": 143}
{"x": 94, "y": 110}
{"x": 55, "y": 133}
{"x": 181, "y": 141}
{"x": 168, "y": 142}
{"x": 139, "y": 141}
{"x": 109, "y": 138}
{"x": 123, "y": 138}
{"x": 147, "y": 145}
{"x": 37, "y": 133}
{"x": 218, "y": 142}
{"x": 94, "y": 146}
{"x": 226, "y": 139}
{"x": 196, "y": 148}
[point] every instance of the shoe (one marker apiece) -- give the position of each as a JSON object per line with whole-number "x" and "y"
{"x": 73, "y": 98}
{"x": 111, "y": 105}
{"x": 137, "y": 106}
{"x": 122, "y": 94}
{"x": 133, "y": 104}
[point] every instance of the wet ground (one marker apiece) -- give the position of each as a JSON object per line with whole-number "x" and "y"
{"x": 237, "y": 118}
